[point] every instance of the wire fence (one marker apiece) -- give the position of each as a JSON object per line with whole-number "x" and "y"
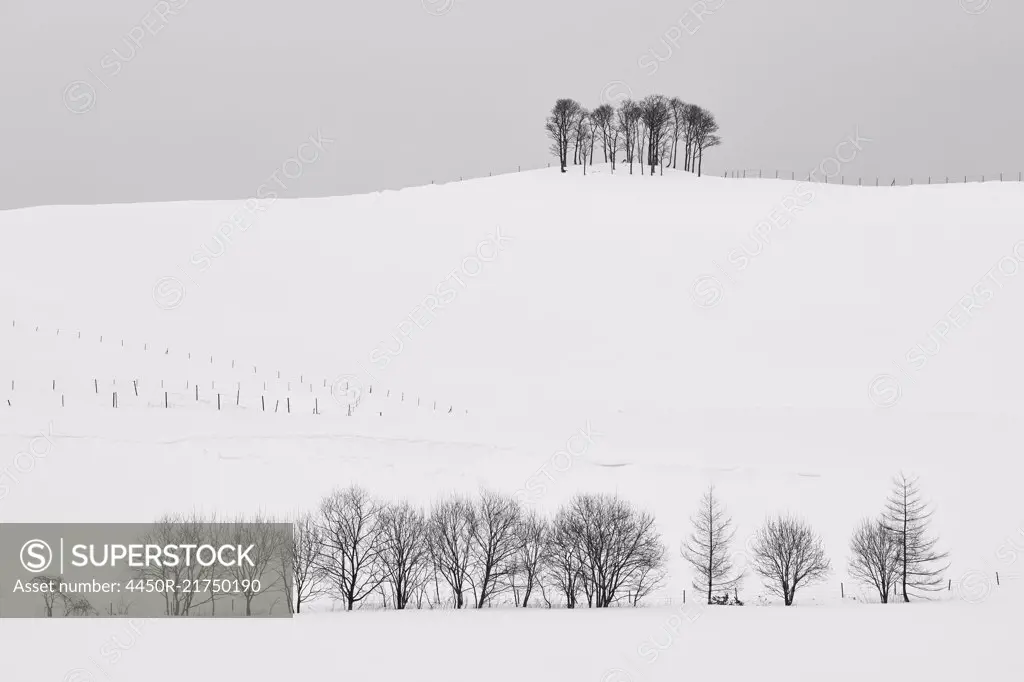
{"x": 803, "y": 176}
{"x": 973, "y": 587}
{"x": 870, "y": 181}
{"x": 218, "y": 383}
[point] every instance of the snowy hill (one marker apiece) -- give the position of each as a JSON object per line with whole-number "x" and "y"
{"x": 795, "y": 344}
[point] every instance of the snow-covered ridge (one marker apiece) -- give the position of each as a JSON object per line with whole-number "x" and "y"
{"x": 704, "y": 329}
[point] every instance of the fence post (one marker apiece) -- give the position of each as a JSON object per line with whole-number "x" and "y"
{"x": 165, "y": 400}
{"x": 218, "y": 401}
{"x": 842, "y": 591}
{"x": 997, "y": 578}
{"x": 115, "y": 398}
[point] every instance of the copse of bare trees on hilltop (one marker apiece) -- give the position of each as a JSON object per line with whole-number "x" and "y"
{"x": 651, "y": 132}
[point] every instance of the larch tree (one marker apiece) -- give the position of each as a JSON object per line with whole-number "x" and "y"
{"x": 707, "y": 547}
{"x": 907, "y": 516}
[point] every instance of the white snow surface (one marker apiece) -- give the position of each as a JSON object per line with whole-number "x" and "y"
{"x": 693, "y": 342}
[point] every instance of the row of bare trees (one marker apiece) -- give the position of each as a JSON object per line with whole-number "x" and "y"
{"x": 185, "y": 586}
{"x": 650, "y": 132}
{"x": 598, "y": 551}
{"x": 894, "y": 553}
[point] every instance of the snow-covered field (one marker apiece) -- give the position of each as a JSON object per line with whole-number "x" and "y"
{"x": 795, "y": 344}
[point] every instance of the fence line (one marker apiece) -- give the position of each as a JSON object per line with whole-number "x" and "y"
{"x": 879, "y": 181}
{"x": 246, "y": 394}
{"x": 974, "y": 587}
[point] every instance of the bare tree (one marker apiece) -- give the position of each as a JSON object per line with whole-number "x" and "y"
{"x": 495, "y": 542}
{"x": 625, "y": 121}
{"x": 404, "y": 551}
{"x": 875, "y": 557}
{"x": 452, "y": 528}
{"x": 707, "y": 548}
{"x": 50, "y": 591}
{"x": 580, "y": 134}
{"x": 693, "y": 118}
{"x": 564, "y": 565}
{"x": 907, "y": 516}
{"x": 788, "y": 555}
{"x": 616, "y": 543}
{"x": 302, "y": 559}
{"x": 646, "y": 580}
{"x": 678, "y": 125}
{"x": 656, "y": 114}
{"x": 560, "y": 126}
{"x": 705, "y": 127}
{"x": 602, "y": 118}
{"x": 262, "y": 545}
{"x": 78, "y": 607}
{"x": 179, "y": 529}
{"x": 533, "y": 534}
{"x": 349, "y": 521}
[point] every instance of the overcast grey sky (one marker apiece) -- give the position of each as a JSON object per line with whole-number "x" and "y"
{"x": 147, "y": 100}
